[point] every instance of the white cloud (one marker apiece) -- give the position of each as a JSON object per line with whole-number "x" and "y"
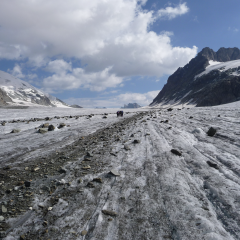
{"x": 233, "y": 29}
{"x": 173, "y": 12}
{"x": 142, "y": 99}
{"x": 17, "y": 71}
{"x": 67, "y": 77}
{"x": 108, "y": 37}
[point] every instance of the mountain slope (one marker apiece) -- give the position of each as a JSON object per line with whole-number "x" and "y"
{"x": 211, "y": 78}
{"x": 14, "y": 91}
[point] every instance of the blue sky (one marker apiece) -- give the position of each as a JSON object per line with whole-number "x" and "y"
{"x": 112, "y": 52}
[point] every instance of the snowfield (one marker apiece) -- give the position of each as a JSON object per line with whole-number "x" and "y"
{"x": 222, "y": 67}
{"x": 58, "y": 185}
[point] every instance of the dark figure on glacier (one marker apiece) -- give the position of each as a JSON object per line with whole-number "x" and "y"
{"x": 120, "y": 113}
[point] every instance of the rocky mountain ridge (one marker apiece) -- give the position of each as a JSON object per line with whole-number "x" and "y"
{"x": 219, "y": 86}
{"x": 16, "y": 92}
{"x": 131, "y": 105}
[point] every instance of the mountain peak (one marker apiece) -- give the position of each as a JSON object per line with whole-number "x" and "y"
{"x": 16, "y": 92}
{"x": 211, "y": 78}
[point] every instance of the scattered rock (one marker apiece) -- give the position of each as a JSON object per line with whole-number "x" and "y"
{"x": 190, "y": 117}
{"x": 15, "y": 131}
{"x": 6, "y": 168}
{"x": 97, "y": 180}
{"x": 84, "y": 232}
{"x": 211, "y": 132}
{"x": 62, "y": 170}
{"x": 126, "y": 147}
{"x": 176, "y": 152}
{"x": 45, "y": 125}
{"x": 104, "y": 117}
{"x": 1, "y": 218}
{"x": 109, "y": 213}
{"x": 89, "y": 154}
{"x": 132, "y": 135}
{"x": 27, "y": 184}
{"x": 61, "y": 125}
{"x": 114, "y": 172}
{"x": 22, "y": 237}
{"x": 136, "y": 141}
{"x": 86, "y": 167}
{"x": 90, "y": 185}
{"x": 214, "y": 165}
{"x": 42, "y": 130}
{"x": 169, "y": 109}
{"x": 4, "y": 209}
{"x": 219, "y": 115}
{"x": 51, "y": 127}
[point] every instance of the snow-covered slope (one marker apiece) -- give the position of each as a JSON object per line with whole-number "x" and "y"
{"x": 222, "y": 67}
{"x": 18, "y": 92}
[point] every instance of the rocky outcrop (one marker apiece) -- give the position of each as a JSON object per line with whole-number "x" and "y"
{"x": 131, "y": 105}
{"x": 215, "y": 88}
{"x": 4, "y": 98}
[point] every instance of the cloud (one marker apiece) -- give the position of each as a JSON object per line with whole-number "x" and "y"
{"x": 67, "y": 78}
{"x": 17, "y": 71}
{"x": 110, "y": 38}
{"x": 233, "y": 29}
{"x": 173, "y": 12}
{"x": 143, "y": 99}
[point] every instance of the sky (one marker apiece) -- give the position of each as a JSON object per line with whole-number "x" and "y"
{"x": 107, "y": 53}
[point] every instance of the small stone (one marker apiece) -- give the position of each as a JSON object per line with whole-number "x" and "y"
{"x": 136, "y": 141}
{"x": 169, "y": 109}
{"x": 22, "y": 237}
{"x": 1, "y": 218}
{"x": 86, "y": 167}
{"x": 62, "y": 170}
{"x": 61, "y": 125}
{"x": 4, "y": 209}
{"x": 6, "y": 168}
{"x": 114, "y": 172}
{"x": 27, "y": 183}
{"x": 110, "y": 213}
{"x": 36, "y": 169}
{"x": 176, "y": 152}
{"x": 15, "y": 131}
{"x": 42, "y": 130}
{"x": 110, "y": 219}
{"x": 26, "y": 168}
{"x": 97, "y": 180}
{"x": 126, "y": 147}
{"x": 214, "y": 165}
{"x": 45, "y": 223}
{"x": 211, "y": 132}
{"x": 45, "y": 125}
{"x": 84, "y": 232}
{"x": 89, "y": 154}
{"x": 51, "y": 127}
{"x": 30, "y": 208}
{"x": 50, "y": 208}
{"x": 90, "y": 185}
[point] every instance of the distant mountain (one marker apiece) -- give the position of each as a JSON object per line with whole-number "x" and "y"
{"x": 211, "y": 78}
{"x": 131, "y": 105}
{"x": 15, "y": 92}
{"x": 75, "y": 106}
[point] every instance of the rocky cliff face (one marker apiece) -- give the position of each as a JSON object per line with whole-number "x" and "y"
{"x": 219, "y": 86}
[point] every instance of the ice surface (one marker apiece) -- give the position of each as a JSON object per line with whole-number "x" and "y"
{"x": 159, "y": 195}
